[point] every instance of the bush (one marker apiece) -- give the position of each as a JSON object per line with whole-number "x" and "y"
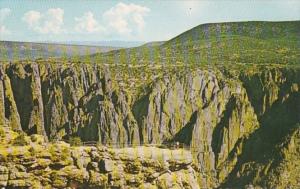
{"x": 32, "y": 151}
{"x": 53, "y": 140}
{"x": 75, "y": 141}
{"x": 39, "y": 139}
{"x": 2, "y": 133}
{"x": 20, "y": 140}
{"x": 65, "y": 154}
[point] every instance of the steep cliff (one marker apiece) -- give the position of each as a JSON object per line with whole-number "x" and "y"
{"x": 240, "y": 122}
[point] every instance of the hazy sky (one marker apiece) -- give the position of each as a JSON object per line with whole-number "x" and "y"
{"x": 136, "y": 20}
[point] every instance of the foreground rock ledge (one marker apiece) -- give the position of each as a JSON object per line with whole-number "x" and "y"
{"x": 58, "y": 165}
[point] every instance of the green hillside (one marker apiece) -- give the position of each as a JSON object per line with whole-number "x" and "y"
{"x": 236, "y": 42}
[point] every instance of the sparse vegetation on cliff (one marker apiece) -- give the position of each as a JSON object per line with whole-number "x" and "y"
{"x": 75, "y": 141}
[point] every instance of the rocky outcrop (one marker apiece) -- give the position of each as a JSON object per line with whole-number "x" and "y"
{"x": 62, "y": 166}
{"x": 220, "y": 114}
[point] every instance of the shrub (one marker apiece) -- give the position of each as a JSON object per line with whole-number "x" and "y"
{"x": 32, "y": 151}
{"x": 59, "y": 153}
{"x": 33, "y": 138}
{"x": 75, "y": 141}
{"x": 53, "y": 140}
{"x": 20, "y": 140}
{"x": 65, "y": 154}
{"x": 2, "y": 133}
{"x": 39, "y": 139}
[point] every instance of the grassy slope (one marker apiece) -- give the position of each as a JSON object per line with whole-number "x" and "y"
{"x": 240, "y": 42}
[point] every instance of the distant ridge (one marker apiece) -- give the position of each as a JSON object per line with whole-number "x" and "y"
{"x": 32, "y": 50}
{"x": 113, "y": 43}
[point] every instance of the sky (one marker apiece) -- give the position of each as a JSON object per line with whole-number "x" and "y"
{"x": 134, "y": 20}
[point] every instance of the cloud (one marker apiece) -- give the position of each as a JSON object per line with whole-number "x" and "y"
{"x": 123, "y": 18}
{"x": 87, "y": 23}
{"x": 4, "y": 13}
{"x": 32, "y": 18}
{"x": 49, "y": 22}
{"x": 4, "y": 30}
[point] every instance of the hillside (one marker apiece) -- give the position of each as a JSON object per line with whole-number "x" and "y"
{"x": 240, "y": 42}
{"x": 11, "y": 50}
{"x": 113, "y": 120}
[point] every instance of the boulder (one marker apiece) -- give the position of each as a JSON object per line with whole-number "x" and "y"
{"x": 3, "y": 176}
{"x": 59, "y": 179}
{"x": 133, "y": 167}
{"x": 80, "y": 157}
{"x": 95, "y": 156}
{"x": 40, "y": 164}
{"x": 97, "y": 180}
{"x": 93, "y": 166}
{"x": 74, "y": 174}
{"x": 106, "y": 165}
{"x": 20, "y": 183}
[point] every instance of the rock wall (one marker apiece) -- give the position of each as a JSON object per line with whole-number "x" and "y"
{"x": 224, "y": 115}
